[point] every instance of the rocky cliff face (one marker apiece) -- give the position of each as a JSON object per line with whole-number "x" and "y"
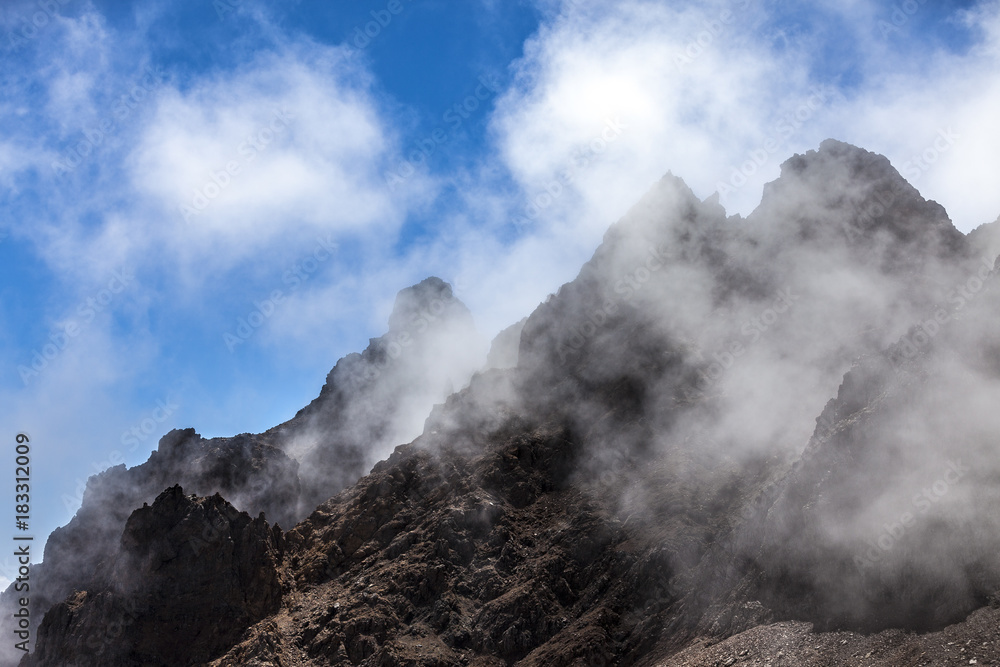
{"x": 378, "y": 399}
{"x": 258, "y": 476}
{"x": 366, "y": 407}
{"x": 650, "y": 484}
{"x": 188, "y": 575}
{"x": 886, "y": 521}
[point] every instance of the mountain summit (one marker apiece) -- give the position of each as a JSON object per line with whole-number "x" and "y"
{"x": 370, "y": 403}
{"x": 768, "y": 440}
{"x": 378, "y": 399}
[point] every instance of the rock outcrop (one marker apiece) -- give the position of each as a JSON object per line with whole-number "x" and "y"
{"x": 189, "y": 575}
{"x": 378, "y": 399}
{"x": 505, "y": 345}
{"x": 370, "y": 403}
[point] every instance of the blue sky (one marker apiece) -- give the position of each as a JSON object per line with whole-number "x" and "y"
{"x": 171, "y": 170}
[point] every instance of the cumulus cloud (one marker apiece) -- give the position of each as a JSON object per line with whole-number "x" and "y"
{"x": 605, "y": 100}
{"x": 201, "y": 170}
{"x": 720, "y": 93}
{"x": 289, "y": 141}
{"x": 691, "y": 89}
{"x": 98, "y": 152}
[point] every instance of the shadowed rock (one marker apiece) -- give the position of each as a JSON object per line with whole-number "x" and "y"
{"x": 190, "y": 575}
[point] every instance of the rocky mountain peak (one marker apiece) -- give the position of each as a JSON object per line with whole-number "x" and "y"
{"x": 207, "y": 567}
{"x": 643, "y": 483}
{"x": 844, "y": 191}
{"x": 428, "y": 304}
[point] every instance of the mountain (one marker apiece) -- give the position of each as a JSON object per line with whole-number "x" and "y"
{"x": 378, "y": 399}
{"x": 371, "y": 402}
{"x": 767, "y": 440}
{"x": 170, "y": 555}
{"x": 504, "y": 348}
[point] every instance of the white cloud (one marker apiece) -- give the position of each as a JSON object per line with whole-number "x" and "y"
{"x": 700, "y": 90}
{"x": 693, "y": 94}
{"x": 121, "y": 152}
{"x": 15, "y": 159}
{"x": 290, "y": 144}
{"x": 703, "y": 89}
{"x": 910, "y": 104}
{"x": 605, "y": 100}
{"x": 73, "y": 402}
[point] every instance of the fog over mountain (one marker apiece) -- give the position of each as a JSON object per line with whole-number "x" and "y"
{"x": 763, "y": 440}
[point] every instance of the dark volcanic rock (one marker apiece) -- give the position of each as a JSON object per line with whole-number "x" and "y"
{"x": 261, "y": 477}
{"x": 447, "y": 560}
{"x": 191, "y": 574}
{"x": 371, "y": 402}
{"x": 648, "y": 485}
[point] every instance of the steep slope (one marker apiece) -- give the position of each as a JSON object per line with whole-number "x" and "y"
{"x": 189, "y": 575}
{"x": 651, "y": 475}
{"x": 888, "y": 521}
{"x": 708, "y": 345}
{"x": 481, "y": 554}
{"x": 370, "y": 403}
{"x": 378, "y": 399}
{"x": 260, "y": 476}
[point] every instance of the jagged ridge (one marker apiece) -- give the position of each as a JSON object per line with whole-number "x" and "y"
{"x": 628, "y": 487}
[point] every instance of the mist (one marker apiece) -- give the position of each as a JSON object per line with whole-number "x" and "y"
{"x": 696, "y": 358}
{"x": 793, "y": 408}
